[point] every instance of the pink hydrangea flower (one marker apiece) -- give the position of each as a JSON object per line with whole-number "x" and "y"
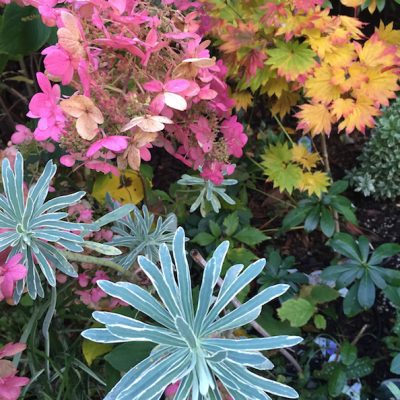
{"x": 10, "y": 272}
{"x": 59, "y": 63}
{"x": 116, "y": 144}
{"x": 45, "y": 107}
{"x": 22, "y": 135}
{"x": 171, "y": 390}
{"x": 10, "y": 384}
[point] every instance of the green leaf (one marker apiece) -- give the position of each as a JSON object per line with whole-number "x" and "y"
{"x": 384, "y": 251}
{"x": 322, "y": 294}
{"x": 343, "y": 206}
{"x": 363, "y": 245}
{"x": 338, "y": 187}
{"x": 348, "y": 353}
{"x": 351, "y": 307}
{"x": 319, "y": 321}
{"x": 203, "y": 239}
{"x": 127, "y": 355}
{"x": 337, "y": 381}
{"x": 393, "y": 294}
{"x": 297, "y": 311}
{"x": 345, "y": 245}
{"x": 295, "y": 217}
{"x": 327, "y": 222}
{"x": 366, "y": 292}
{"x": 241, "y": 255}
{"x": 395, "y": 365}
{"x": 312, "y": 219}
{"x": 231, "y": 223}
{"x": 92, "y": 350}
{"x": 250, "y": 236}
{"x": 275, "y": 326}
{"x": 214, "y": 228}
{"x": 22, "y": 31}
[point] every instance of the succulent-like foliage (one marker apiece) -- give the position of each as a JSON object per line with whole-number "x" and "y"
{"x": 32, "y": 226}
{"x": 378, "y": 172}
{"x": 140, "y": 236}
{"x": 209, "y": 193}
{"x": 190, "y": 346}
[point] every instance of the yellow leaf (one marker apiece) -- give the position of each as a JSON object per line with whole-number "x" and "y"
{"x": 242, "y": 100}
{"x": 357, "y": 114}
{"x": 314, "y": 183}
{"x": 92, "y": 350}
{"x": 341, "y": 56}
{"x": 352, "y": 3}
{"x": 320, "y": 86}
{"x": 275, "y": 86}
{"x": 284, "y": 103}
{"x": 301, "y": 155}
{"x": 376, "y": 53}
{"x": 315, "y": 118}
{"x": 388, "y": 34}
{"x": 126, "y": 188}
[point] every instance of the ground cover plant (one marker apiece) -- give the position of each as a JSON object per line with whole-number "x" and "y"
{"x": 199, "y": 199}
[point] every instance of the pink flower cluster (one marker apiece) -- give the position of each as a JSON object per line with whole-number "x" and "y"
{"x": 11, "y": 271}
{"x": 143, "y": 77}
{"x": 10, "y": 384}
{"x": 91, "y": 295}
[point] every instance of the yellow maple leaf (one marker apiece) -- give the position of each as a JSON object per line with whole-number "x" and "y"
{"x": 242, "y": 100}
{"x": 380, "y": 86}
{"x": 357, "y": 114}
{"x": 341, "y": 56}
{"x": 376, "y": 52}
{"x": 388, "y": 34}
{"x": 320, "y": 44}
{"x": 315, "y": 118}
{"x": 283, "y": 104}
{"x": 301, "y": 155}
{"x": 314, "y": 183}
{"x": 352, "y": 3}
{"x": 349, "y": 78}
{"x": 352, "y": 25}
{"x": 320, "y": 87}
{"x": 275, "y": 86}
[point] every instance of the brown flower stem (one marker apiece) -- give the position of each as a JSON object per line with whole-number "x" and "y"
{"x": 328, "y": 171}
{"x": 197, "y": 257}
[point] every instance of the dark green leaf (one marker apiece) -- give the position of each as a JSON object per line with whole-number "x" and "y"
{"x": 363, "y": 245}
{"x": 312, "y": 219}
{"x": 327, "y": 222}
{"x": 250, "y": 236}
{"x": 323, "y": 294}
{"x": 231, "y": 223}
{"x": 345, "y": 245}
{"x": 203, "y": 239}
{"x": 337, "y": 381}
{"x": 350, "y": 303}
{"x": 366, "y": 292}
{"x": 395, "y": 365}
{"x": 295, "y": 217}
{"x": 348, "y": 353}
{"x": 338, "y": 187}
{"x": 384, "y": 251}
{"x": 127, "y": 355}
{"x": 22, "y": 31}
{"x": 214, "y": 228}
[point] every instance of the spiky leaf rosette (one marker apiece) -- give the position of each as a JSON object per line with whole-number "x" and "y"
{"x": 32, "y": 226}
{"x": 140, "y": 236}
{"x": 190, "y": 347}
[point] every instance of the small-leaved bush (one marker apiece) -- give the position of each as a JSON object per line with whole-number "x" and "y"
{"x": 378, "y": 171}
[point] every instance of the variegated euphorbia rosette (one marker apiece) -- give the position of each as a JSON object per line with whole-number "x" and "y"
{"x": 190, "y": 344}
{"x": 37, "y": 229}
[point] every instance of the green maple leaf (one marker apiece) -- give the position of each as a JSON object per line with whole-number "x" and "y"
{"x": 291, "y": 59}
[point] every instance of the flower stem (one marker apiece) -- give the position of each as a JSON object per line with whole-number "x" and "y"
{"x": 82, "y": 258}
{"x": 46, "y": 326}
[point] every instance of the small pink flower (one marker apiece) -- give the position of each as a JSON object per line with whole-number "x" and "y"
{"x": 10, "y": 273}
{"x": 83, "y": 279}
{"x": 234, "y": 136}
{"x": 45, "y": 107}
{"x": 22, "y": 135}
{"x": 117, "y": 144}
{"x": 172, "y": 389}
{"x": 59, "y": 63}
{"x": 203, "y": 133}
{"x": 10, "y": 384}
{"x": 168, "y": 94}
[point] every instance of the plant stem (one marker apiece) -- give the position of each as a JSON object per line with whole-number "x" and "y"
{"x": 82, "y": 258}
{"x": 197, "y": 257}
{"x": 327, "y": 166}
{"x": 283, "y": 129}
{"x": 46, "y": 326}
{"x": 26, "y": 72}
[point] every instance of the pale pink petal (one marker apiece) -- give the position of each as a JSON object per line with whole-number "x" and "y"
{"x": 153, "y": 86}
{"x": 177, "y": 85}
{"x": 175, "y": 101}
